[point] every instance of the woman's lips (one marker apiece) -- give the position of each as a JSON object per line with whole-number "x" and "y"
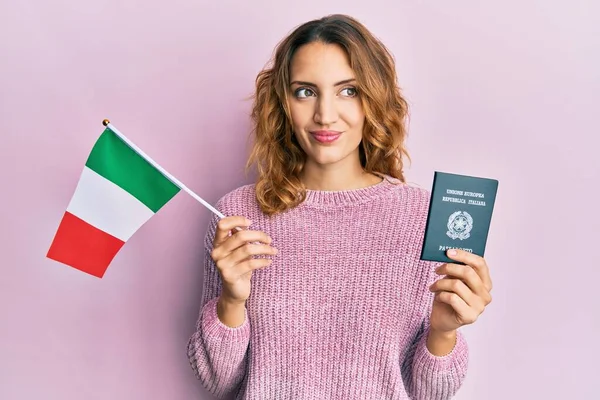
{"x": 326, "y": 136}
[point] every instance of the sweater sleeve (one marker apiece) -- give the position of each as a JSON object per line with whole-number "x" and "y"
{"x": 217, "y": 353}
{"x": 436, "y": 377}
{"x": 431, "y": 377}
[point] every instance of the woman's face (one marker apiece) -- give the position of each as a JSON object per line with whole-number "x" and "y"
{"x": 326, "y": 111}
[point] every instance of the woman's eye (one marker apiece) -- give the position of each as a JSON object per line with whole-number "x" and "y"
{"x": 303, "y": 92}
{"x": 350, "y": 91}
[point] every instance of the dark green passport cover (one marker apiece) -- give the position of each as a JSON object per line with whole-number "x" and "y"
{"x": 460, "y": 212}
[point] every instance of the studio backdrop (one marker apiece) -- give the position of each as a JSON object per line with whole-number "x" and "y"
{"x": 500, "y": 89}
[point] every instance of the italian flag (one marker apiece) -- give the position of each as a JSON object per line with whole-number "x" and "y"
{"x": 118, "y": 191}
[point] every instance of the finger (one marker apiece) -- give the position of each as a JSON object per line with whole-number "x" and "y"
{"x": 475, "y": 261}
{"x": 233, "y": 274}
{"x": 465, "y": 313}
{"x": 242, "y": 238}
{"x": 249, "y": 251}
{"x": 252, "y": 264}
{"x": 457, "y": 286}
{"x": 464, "y": 273}
{"x": 225, "y": 225}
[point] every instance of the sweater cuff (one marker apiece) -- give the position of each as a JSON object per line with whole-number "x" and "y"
{"x": 454, "y": 362}
{"x": 214, "y": 328}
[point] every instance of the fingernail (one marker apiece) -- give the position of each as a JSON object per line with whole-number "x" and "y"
{"x": 452, "y": 252}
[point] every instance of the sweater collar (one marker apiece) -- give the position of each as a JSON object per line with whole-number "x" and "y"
{"x": 350, "y": 196}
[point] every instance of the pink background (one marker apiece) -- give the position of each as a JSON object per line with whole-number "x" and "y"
{"x": 502, "y": 89}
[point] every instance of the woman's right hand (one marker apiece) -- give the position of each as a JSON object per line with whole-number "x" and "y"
{"x": 233, "y": 253}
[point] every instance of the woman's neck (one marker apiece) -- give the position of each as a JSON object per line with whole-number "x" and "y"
{"x": 333, "y": 178}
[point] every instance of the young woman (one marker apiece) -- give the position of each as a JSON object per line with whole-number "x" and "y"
{"x": 313, "y": 285}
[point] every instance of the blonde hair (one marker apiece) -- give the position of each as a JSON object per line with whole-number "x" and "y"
{"x": 278, "y": 157}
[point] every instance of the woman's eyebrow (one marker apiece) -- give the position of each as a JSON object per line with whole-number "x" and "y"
{"x": 312, "y": 84}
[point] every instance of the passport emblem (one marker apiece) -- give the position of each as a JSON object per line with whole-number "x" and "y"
{"x": 459, "y": 225}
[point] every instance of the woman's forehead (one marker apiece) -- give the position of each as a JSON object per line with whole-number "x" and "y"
{"x": 320, "y": 64}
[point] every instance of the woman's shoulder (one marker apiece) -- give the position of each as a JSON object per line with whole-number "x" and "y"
{"x": 407, "y": 204}
{"x": 238, "y": 201}
{"x": 240, "y": 195}
{"x": 410, "y": 192}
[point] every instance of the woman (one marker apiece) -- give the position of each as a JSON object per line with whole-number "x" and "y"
{"x": 313, "y": 285}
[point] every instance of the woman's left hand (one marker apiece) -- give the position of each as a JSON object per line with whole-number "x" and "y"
{"x": 462, "y": 295}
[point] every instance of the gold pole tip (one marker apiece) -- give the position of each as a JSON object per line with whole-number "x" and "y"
{"x": 105, "y": 122}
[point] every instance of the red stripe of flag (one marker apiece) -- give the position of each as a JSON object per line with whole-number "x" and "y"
{"x": 83, "y": 246}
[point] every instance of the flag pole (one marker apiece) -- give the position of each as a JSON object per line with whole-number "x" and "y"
{"x": 175, "y": 181}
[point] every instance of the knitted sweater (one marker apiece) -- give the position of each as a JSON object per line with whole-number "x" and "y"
{"x": 341, "y": 313}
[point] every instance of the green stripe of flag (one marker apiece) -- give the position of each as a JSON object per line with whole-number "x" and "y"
{"x": 116, "y": 161}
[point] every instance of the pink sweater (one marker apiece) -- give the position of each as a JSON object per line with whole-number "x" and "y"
{"x": 341, "y": 313}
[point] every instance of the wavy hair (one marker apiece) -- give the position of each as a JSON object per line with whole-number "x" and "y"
{"x": 278, "y": 157}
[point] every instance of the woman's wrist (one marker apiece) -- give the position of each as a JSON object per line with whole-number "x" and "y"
{"x": 441, "y": 343}
{"x": 231, "y": 313}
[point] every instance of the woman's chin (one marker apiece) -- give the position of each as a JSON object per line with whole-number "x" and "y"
{"x": 327, "y": 157}
{"x": 326, "y": 160}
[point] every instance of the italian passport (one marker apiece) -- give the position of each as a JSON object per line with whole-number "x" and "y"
{"x": 460, "y": 212}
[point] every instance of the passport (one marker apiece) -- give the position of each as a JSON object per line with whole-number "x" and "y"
{"x": 459, "y": 216}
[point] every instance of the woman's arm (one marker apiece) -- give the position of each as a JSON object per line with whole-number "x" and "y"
{"x": 217, "y": 350}
{"x": 436, "y": 363}
{"x": 430, "y": 376}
